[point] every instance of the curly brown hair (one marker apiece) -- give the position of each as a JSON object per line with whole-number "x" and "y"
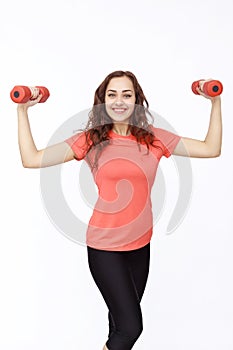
{"x": 99, "y": 123}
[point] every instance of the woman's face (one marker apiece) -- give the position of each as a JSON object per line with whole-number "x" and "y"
{"x": 120, "y": 99}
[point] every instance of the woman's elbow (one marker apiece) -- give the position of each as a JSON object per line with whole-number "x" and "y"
{"x": 216, "y": 154}
{"x": 30, "y": 165}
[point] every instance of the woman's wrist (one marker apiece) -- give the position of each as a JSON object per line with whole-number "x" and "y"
{"x": 216, "y": 99}
{"x": 22, "y": 109}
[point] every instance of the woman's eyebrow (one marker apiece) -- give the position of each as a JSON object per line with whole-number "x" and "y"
{"x": 122, "y": 90}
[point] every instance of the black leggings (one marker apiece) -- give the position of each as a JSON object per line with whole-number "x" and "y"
{"x": 121, "y": 277}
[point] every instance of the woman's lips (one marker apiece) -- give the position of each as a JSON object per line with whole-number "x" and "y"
{"x": 119, "y": 110}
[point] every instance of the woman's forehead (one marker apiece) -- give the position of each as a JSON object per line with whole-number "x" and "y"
{"x": 120, "y": 84}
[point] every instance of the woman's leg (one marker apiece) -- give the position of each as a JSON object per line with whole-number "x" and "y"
{"x": 115, "y": 274}
{"x": 138, "y": 263}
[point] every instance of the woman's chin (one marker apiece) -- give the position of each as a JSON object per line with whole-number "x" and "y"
{"x": 119, "y": 118}
{"x": 120, "y": 121}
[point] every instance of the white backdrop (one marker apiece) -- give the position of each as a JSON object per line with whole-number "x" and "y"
{"x": 48, "y": 299}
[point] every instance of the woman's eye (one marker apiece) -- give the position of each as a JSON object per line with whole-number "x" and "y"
{"x": 113, "y": 95}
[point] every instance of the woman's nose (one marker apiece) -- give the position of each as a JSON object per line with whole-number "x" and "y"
{"x": 118, "y": 100}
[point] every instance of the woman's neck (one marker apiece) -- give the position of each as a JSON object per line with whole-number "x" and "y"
{"x": 121, "y": 129}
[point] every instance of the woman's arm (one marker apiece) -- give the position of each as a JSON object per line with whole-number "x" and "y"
{"x": 30, "y": 156}
{"x": 211, "y": 146}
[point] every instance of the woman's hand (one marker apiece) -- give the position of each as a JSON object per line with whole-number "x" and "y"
{"x": 200, "y": 91}
{"x": 30, "y": 103}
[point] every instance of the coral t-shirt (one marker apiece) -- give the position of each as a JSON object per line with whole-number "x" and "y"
{"x": 122, "y": 218}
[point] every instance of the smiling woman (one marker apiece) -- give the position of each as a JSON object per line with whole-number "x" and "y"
{"x": 123, "y": 150}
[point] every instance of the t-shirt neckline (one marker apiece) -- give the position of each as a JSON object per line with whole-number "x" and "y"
{"x": 113, "y": 133}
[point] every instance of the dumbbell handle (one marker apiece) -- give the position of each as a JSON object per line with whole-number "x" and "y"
{"x": 22, "y": 94}
{"x": 210, "y": 87}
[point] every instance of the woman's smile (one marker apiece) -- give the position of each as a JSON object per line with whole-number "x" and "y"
{"x": 119, "y": 110}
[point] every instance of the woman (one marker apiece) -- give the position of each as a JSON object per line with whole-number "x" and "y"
{"x": 123, "y": 151}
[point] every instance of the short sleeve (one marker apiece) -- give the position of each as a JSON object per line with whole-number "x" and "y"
{"x": 78, "y": 144}
{"x": 168, "y": 139}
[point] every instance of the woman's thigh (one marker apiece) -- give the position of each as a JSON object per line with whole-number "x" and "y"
{"x": 139, "y": 264}
{"x": 112, "y": 275}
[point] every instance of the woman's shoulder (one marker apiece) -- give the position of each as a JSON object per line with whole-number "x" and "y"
{"x": 161, "y": 132}
{"x": 156, "y": 131}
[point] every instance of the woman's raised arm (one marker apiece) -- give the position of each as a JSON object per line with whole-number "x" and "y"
{"x": 211, "y": 146}
{"x": 30, "y": 156}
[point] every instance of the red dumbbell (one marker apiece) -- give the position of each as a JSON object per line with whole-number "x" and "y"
{"x": 22, "y": 94}
{"x": 211, "y": 88}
